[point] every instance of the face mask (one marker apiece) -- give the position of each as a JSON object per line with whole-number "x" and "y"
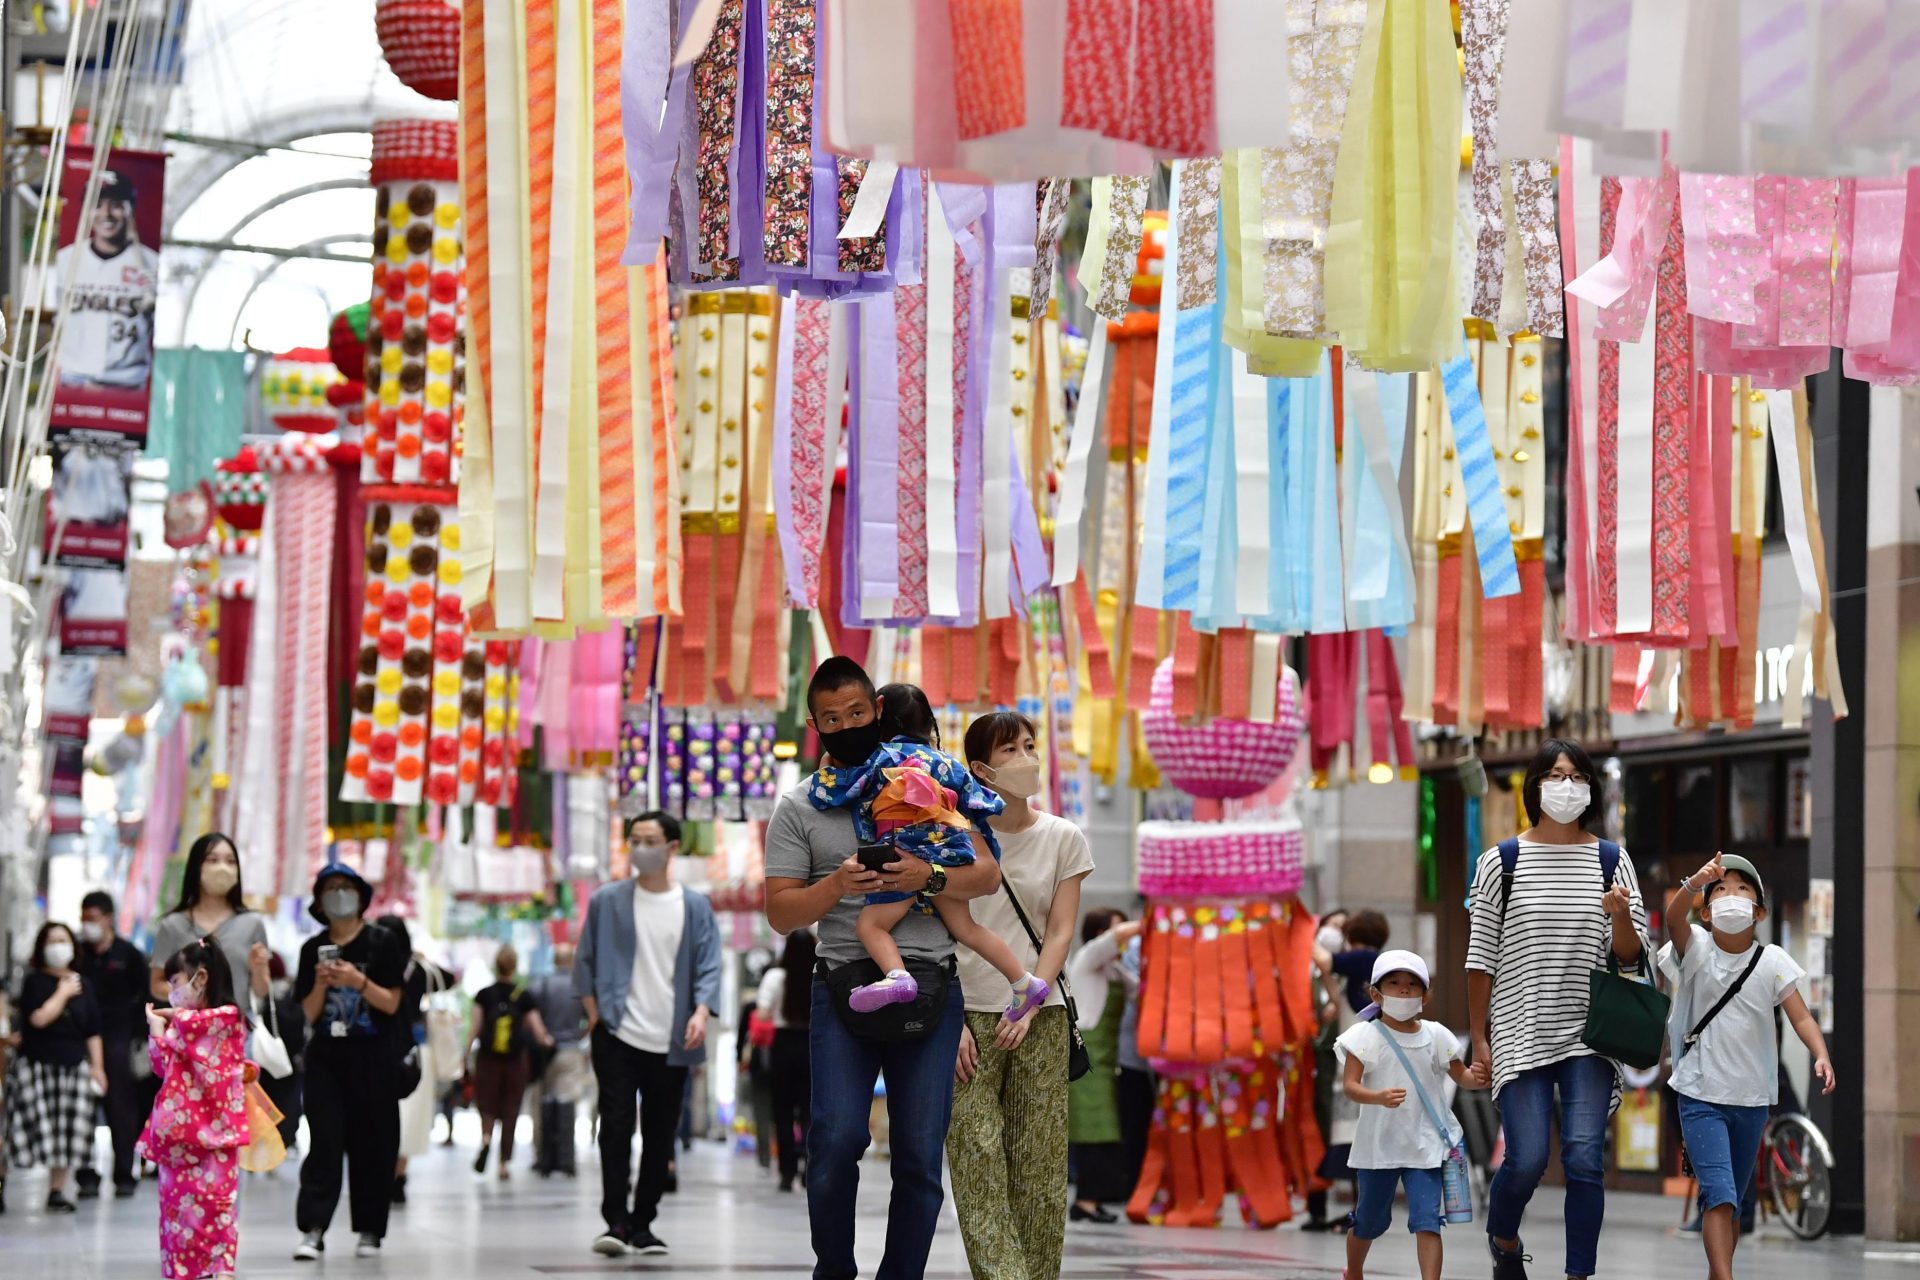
{"x": 852, "y": 746}
{"x": 58, "y": 955}
{"x": 1402, "y": 1008}
{"x": 341, "y": 904}
{"x": 185, "y": 996}
{"x": 649, "y": 859}
{"x": 1331, "y": 939}
{"x": 1733, "y": 915}
{"x": 91, "y": 932}
{"x": 1017, "y": 778}
{"x": 218, "y": 879}
{"x": 1564, "y": 800}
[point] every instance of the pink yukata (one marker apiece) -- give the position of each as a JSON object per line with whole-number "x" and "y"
{"x": 195, "y": 1135}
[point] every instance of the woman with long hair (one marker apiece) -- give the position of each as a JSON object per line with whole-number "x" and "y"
{"x": 785, "y": 999}
{"x": 211, "y": 906}
{"x": 1007, "y": 1144}
{"x": 59, "y": 1072}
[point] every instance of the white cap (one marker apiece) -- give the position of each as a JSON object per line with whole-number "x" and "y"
{"x": 1398, "y": 962}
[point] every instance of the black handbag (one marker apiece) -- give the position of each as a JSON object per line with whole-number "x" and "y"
{"x": 1079, "y": 1061}
{"x": 911, "y": 1020}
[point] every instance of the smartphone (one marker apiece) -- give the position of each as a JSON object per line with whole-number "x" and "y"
{"x": 328, "y": 953}
{"x": 876, "y": 857}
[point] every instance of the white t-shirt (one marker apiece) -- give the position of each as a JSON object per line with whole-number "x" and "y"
{"x": 1036, "y": 862}
{"x": 109, "y": 334}
{"x": 771, "y": 999}
{"x": 1402, "y": 1137}
{"x": 1737, "y": 1061}
{"x": 658, "y": 921}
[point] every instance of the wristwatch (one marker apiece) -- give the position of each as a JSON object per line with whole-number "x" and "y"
{"x": 936, "y": 882}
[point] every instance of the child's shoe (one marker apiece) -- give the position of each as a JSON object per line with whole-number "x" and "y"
{"x": 898, "y": 987}
{"x": 1027, "y": 997}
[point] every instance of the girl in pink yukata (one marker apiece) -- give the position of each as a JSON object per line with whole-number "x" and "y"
{"x": 199, "y": 1125}
{"x": 911, "y": 795}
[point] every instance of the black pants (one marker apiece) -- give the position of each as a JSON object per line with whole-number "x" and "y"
{"x": 635, "y": 1087}
{"x": 126, "y": 1105}
{"x": 353, "y": 1113}
{"x": 792, "y": 1098}
{"x": 1134, "y": 1094}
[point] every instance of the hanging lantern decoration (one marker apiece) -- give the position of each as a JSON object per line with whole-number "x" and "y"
{"x": 1225, "y": 758}
{"x": 296, "y": 387}
{"x": 421, "y": 41}
{"x": 240, "y": 491}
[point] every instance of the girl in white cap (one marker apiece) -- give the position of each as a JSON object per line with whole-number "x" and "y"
{"x": 1726, "y": 1065}
{"x": 1395, "y": 1068}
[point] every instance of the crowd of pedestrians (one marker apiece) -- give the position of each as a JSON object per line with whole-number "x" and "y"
{"x": 1037, "y": 1107}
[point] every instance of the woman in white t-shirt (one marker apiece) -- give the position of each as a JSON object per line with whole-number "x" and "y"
{"x": 1726, "y": 1067}
{"x": 1007, "y": 1143}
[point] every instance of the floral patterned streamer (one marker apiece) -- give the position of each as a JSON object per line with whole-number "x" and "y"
{"x": 1672, "y": 431}
{"x": 1297, "y": 181}
{"x": 866, "y": 253}
{"x": 1046, "y": 249}
{"x": 716, "y": 90}
{"x": 1198, "y": 268}
{"x": 790, "y": 40}
{"x": 1129, "y": 206}
{"x": 1483, "y": 36}
{"x": 1537, "y": 217}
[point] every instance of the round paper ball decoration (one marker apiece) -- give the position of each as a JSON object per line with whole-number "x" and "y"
{"x": 240, "y": 491}
{"x": 294, "y": 390}
{"x": 1224, "y": 759}
{"x": 347, "y": 340}
{"x": 421, "y": 39}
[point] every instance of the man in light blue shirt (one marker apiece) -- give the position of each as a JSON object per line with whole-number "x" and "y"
{"x": 648, "y": 975}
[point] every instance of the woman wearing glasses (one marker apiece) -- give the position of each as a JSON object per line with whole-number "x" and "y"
{"x": 1544, "y": 917}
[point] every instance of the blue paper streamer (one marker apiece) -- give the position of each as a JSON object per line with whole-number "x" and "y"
{"x": 1196, "y": 353}
{"x": 1492, "y": 538}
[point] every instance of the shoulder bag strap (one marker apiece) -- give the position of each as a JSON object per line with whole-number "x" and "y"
{"x": 1033, "y": 935}
{"x": 1509, "y": 862}
{"x": 1413, "y": 1077}
{"x": 1726, "y": 996}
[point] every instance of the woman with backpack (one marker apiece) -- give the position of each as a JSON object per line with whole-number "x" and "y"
{"x": 1548, "y": 909}
{"x": 505, "y": 1022}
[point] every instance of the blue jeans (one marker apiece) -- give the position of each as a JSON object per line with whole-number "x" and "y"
{"x": 1723, "y": 1144}
{"x": 919, "y": 1075}
{"x": 1527, "y": 1105}
{"x": 1373, "y": 1212}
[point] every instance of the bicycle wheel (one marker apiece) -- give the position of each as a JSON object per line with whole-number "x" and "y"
{"x": 1801, "y": 1176}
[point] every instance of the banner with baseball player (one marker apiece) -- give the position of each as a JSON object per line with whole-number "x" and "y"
{"x": 106, "y": 276}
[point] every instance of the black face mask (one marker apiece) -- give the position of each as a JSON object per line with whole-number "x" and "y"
{"x": 852, "y": 746}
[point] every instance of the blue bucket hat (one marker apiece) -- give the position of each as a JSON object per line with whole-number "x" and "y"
{"x": 346, "y": 872}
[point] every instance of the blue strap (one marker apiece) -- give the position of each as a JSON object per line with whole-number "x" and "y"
{"x": 1609, "y": 862}
{"x": 1433, "y": 1112}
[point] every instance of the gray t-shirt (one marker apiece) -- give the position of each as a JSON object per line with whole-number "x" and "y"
{"x": 236, "y": 936}
{"x": 805, "y": 843}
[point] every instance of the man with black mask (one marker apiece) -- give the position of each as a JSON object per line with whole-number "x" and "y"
{"x": 117, "y": 971}
{"x": 814, "y": 875}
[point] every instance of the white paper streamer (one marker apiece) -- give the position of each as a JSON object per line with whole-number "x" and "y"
{"x": 1783, "y": 427}
{"x": 1253, "y": 487}
{"x": 996, "y": 504}
{"x": 1633, "y": 547}
{"x": 870, "y": 206}
{"x": 1073, "y": 484}
{"x": 1251, "y": 83}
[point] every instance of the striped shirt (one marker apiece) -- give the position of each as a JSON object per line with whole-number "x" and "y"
{"x": 1556, "y": 934}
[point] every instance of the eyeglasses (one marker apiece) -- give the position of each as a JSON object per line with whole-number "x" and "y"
{"x": 1581, "y": 778}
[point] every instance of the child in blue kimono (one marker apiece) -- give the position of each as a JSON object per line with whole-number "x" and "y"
{"x": 913, "y": 796}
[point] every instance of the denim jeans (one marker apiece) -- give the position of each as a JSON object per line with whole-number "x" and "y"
{"x": 1723, "y": 1144}
{"x": 1373, "y": 1210}
{"x": 1527, "y": 1104}
{"x": 919, "y": 1076}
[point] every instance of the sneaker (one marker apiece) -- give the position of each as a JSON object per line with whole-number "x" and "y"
{"x": 90, "y": 1190}
{"x": 310, "y": 1248}
{"x": 368, "y": 1247}
{"x": 1026, "y": 1000}
{"x": 611, "y": 1243}
{"x": 58, "y": 1203}
{"x": 399, "y": 1195}
{"x": 898, "y": 987}
{"x": 1508, "y": 1266}
{"x": 645, "y": 1242}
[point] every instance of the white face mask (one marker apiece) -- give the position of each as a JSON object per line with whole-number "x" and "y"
{"x": 1019, "y": 777}
{"x": 341, "y": 904}
{"x": 1331, "y": 939}
{"x": 92, "y": 931}
{"x": 58, "y": 955}
{"x": 1402, "y": 1008}
{"x": 1732, "y": 914}
{"x": 1564, "y": 800}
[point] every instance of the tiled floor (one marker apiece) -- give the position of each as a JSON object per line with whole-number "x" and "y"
{"x": 729, "y": 1220}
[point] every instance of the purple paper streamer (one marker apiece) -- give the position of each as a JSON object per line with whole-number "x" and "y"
{"x": 879, "y": 500}
{"x": 653, "y": 104}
